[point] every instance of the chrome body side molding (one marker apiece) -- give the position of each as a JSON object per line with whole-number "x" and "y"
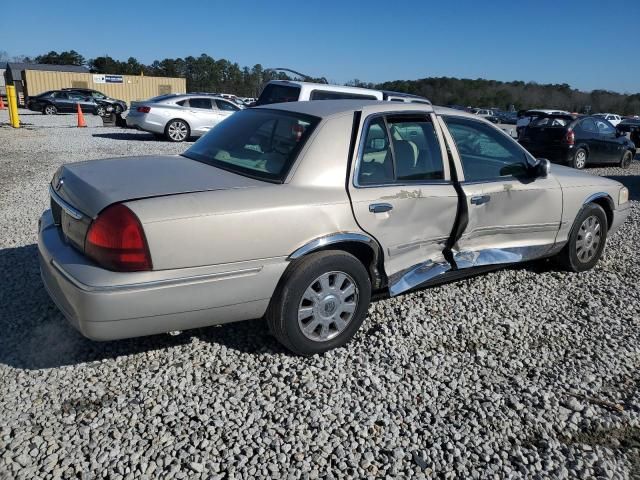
{"x": 170, "y": 282}
{"x": 416, "y": 276}
{"x": 605, "y": 195}
{"x": 430, "y": 270}
{"x": 72, "y": 212}
{"x": 500, "y": 256}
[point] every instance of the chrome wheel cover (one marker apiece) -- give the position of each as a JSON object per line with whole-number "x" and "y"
{"x": 581, "y": 159}
{"x": 101, "y": 111}
{"x": 177, "y": 131}
{"x": 50, "y": 110}
{"x": 327, "y": 306}
{"x": 589, "y": 238}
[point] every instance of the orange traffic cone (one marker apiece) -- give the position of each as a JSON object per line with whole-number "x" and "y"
{"x": 1, "y": 103}
{"x": 81, "y": 122}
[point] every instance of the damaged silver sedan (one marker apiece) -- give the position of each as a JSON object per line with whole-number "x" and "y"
{"x": 297, "y": 212}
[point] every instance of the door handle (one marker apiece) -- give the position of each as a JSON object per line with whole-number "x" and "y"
{"x": 480, "y": 199}
{"x": 380, "y": 207}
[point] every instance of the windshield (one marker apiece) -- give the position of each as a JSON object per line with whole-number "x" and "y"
{"x": 276, "y": 93}
{"x": 258, "y": 143}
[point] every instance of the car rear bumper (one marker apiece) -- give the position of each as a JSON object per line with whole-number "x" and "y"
{"x": 105, "y": 305}
{"x": 144, "y": 122}
{"x": 562, "y": 154}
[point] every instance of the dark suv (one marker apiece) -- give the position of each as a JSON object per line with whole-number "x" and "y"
{"x": 119, "y": 106}
{"x": 575, "y": 140}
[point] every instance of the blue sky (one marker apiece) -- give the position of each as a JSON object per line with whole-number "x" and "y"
{"x": 587, "y": 44}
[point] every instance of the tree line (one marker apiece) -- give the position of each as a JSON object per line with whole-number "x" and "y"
{"x": 206, "y": 74}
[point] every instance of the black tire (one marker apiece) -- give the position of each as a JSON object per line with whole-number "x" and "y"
{"x": 579, "y": 159}
{"x": 117, "y": 108}
{"x": 173, "y": 127}
{"x": 49, "y": 109}
{"x": 627, "y": 157}
{"x": 571, "y": 256}
{"x": 289, "y": 298}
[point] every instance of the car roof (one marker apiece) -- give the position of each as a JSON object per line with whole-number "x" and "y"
{"x": 330, "y": 108}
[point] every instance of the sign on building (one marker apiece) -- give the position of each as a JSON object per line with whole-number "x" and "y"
{"x": 106, "y": 78}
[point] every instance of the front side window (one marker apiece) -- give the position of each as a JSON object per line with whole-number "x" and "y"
{"x": 259, "y": 143}
{"x": 604, "y": 127}
{"x": 486, "y": 153}
{"x": 400, "y": 149}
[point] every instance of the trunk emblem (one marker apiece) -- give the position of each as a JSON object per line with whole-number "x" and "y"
{"x": 59, "y": 184}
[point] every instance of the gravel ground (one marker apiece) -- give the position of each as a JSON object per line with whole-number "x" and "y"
{"x": 527, "y": 372}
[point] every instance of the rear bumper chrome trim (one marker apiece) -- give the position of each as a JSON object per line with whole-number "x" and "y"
{"x": 64, "y": 205}
{"x": 156, "y": 283}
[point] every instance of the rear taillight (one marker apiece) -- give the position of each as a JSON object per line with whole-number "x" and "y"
{"x": 569, "y": 138}
{"x": 116, "y": 241}
{"x": 143, "y": 109}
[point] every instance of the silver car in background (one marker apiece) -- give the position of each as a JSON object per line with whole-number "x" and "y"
{"x": 179, "y": 117}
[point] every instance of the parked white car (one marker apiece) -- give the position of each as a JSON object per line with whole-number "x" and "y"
{"x": 179, "y": 117}
{"x": 611, "y": 117}
{"x": 280, "y": 91}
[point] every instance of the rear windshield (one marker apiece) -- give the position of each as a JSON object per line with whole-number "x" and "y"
{"x": 276, "y": 93}
{"x": 551, "y": 122}
{"x": 257, "y": 143}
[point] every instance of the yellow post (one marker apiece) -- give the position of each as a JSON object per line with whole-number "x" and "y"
{"x": 12, "y": 100}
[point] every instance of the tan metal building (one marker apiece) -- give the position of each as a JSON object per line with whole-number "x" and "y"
{"x": 124, "y": 87}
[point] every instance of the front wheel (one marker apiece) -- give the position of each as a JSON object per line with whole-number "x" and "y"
{"x": 586, "y": 241}
{"x": 50, "y": 110}
{"x": 320, "y": 303}
{"x": 626, "y": 159}
{"x": 579, "y": 159}
{"x": 177, "y": 131}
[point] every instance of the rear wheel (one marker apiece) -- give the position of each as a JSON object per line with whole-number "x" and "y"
{"x": 626, "y": 159}
{"x": 586, "y": 241}
{"x": 320, "y": 303}
{"x": 49, "y": 109}
{"x": 177, "y": 131}
{"x": 100, "y": 110}
{"x": 579, "y": 159}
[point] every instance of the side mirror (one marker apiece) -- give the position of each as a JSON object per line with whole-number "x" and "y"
{"x": 542, "y": 168}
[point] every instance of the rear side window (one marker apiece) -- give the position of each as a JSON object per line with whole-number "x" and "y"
{"x": 203, "y": 103}
{"x": 332, "y": 95}
{"x": 258, "y": 143}
{"x": 275, "y": 93}
{"x": 400, "y": 149}
{"x": 588, "y": 125}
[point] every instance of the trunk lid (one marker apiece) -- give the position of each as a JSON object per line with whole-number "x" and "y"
{"x": 93, "y": 185}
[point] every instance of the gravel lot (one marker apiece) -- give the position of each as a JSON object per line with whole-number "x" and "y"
{"x": 527, "y": 372}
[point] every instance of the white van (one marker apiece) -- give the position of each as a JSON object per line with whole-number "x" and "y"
{"x": 280, "y": 91}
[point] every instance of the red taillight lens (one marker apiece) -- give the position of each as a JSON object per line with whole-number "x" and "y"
{"x": 116, "y": 241}
{"x": 570, "y": 138}
{"x": 144, "y": 109}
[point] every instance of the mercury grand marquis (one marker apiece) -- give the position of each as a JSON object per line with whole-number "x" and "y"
{"x": 297, "y": 212}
